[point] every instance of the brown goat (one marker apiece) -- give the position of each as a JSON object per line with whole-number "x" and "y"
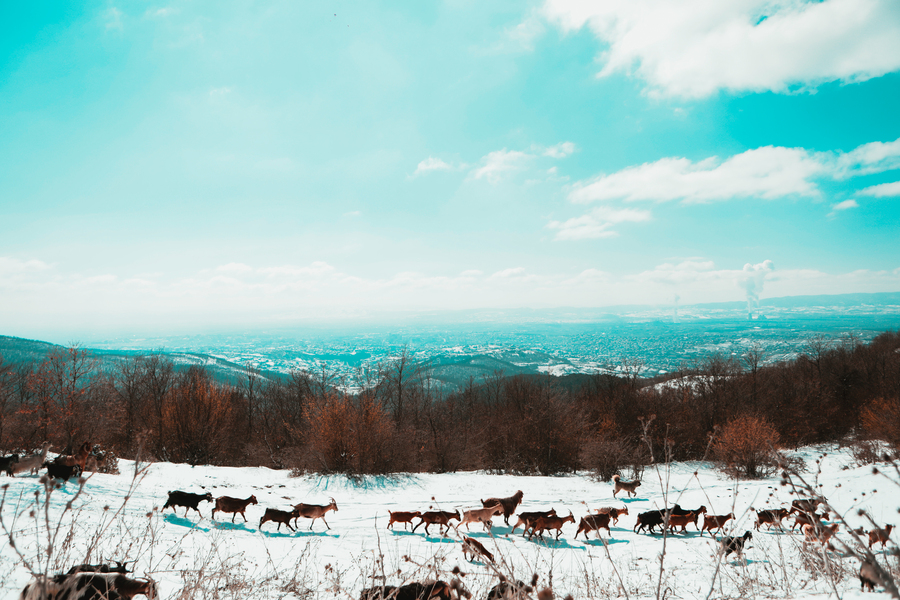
{"x": 880, "y": 535}
{"x": 822, "y": 535}
{"x": 227, "y": 504}
{"x": 398, "y": 516}
{"x": 441, "y": 518}
{"x": 75, "y": 460}
{"x": 314, "y": 511}
{"x": 480, "y": 515}
{"x": 509, "y": 504}
{"x": 804, "y": 518}
{"x": 527, "y": 518}
{"x": 279, "y": 516}
{"x": 868, "y": 576}
{"x": 542, "y": 524}
{"x": 770, "y": 517}
{"x": 804, "y": 505}
{"x": 474, "y": 547}
{"x": 594, "y": 523}
{"x": 683, "y": 520}
{"x": 628, "y": 486}
{"x": 613, "y": 512}
{"x": 711, "y": 522}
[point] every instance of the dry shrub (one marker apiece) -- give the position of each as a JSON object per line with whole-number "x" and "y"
{"x": 746, "y": 447}
{"x": 881, "y": 420}
{"x": 201, "y": 421}
{"x": 606, "y": 452}
{"x": 348, "y": 435}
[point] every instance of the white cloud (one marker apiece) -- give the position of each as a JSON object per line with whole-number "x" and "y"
{"x": 11, "y": 266}
{"x": 692, "y": 48}
{"x": 882, "y": 190}
{"x": 113, "y": 19}
{"x": 499, "y": 163}
{"x": 874, "y": 157}
{"x": 432, "y": 164}
{"x": 846, "y": 204}
{"x": 768, "y": 172}
{"x": 597, "y": 223}
{"x": 842, "y": 206}
{"x": 561, "y": 150}
{"x": 523, "y": 35}
{"x": 234, "y": 267}
{"x": 353, "y": 213}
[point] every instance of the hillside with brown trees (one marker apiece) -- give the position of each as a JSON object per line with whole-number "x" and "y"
{"x": 728, "y": 409}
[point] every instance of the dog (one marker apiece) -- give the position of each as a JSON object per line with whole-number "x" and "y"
{"x": 628, "y": 486}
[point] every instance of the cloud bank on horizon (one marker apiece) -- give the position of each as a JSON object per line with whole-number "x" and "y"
{"x": 208, "y": 163}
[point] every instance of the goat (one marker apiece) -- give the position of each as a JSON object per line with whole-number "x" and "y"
{"x": 868, "y": 576}
{"x": 72, "y": 460}
{"x": 435, "y": 590}
{"x": 438, "y": 517}
{"x": 735, "y": 544}
{"x": 628, "y": 486}
{"x": 683, "y": 520}
{"x": 7, "y": 462}
{"x": 63, "y": 472}
{"x": 880, "y": 535}
{"x": 121, "y": 567}
{"x": 711, "y": 522}
{"x": 613, "y": 512}
{"x": 509, "y": 504}
{"x": 398, "y": 516}
{"x": 474, "y": 547}
{"x": 89, "y": 586}
{"x": 594, "y": 523}
{"x": 507, "y": 590}
{"x": 314, "y": 511}
{"x": 279, "y": 516}
{"x": 811, "y": 533}
{"x": 527, "y": 518}
{"x": 650, "y": 519}
{"x": 804, "y": 505}
{"x": 770, "y": 517}
{"x": 656, "y": 518}
{"x": 805, "y": 518}
{"x": 33, "y": 462}
{"x": 227, "y": 504}
{"x": 187, "y": 500}
{"x": 542, "y": 524}
{"x": 480, "y": 515}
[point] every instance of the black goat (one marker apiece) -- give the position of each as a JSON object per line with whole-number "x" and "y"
{"x": 187, "y": 500}
{"x": 735, "y": 544}
{"x": 121, "y": 567}
{"x": 64, "y": 472}
{"x": 435, "y": 590}
{"x": 7, "y": 462}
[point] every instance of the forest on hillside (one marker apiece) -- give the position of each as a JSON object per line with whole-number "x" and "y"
{"x": 730, "y": 409}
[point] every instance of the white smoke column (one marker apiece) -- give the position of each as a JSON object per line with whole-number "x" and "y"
{"x": 675, "y": 314}
{"x": 754, "y": 276}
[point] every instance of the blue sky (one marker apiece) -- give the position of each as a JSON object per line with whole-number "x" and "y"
{"x": 196, "y": 165}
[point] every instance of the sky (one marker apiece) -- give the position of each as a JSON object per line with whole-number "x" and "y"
{"x": 215, "y": 164}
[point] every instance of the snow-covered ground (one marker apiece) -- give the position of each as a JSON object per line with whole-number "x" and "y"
{"x": 196, "y": 557}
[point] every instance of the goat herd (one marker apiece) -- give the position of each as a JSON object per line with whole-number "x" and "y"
{"x": 109, "y": 582}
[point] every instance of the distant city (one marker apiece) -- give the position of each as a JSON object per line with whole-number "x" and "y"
{"x": 456, "y": 346}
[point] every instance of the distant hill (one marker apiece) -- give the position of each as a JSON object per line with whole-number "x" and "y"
{"x": 18, "y": 350}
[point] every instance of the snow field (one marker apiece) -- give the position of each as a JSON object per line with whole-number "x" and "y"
{"x": 198, "y": 557}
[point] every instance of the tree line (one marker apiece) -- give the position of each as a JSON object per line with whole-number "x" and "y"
{"x": 396, "y": 418}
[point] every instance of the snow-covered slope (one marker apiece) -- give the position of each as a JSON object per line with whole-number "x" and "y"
{"x": 187, "y": 555}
